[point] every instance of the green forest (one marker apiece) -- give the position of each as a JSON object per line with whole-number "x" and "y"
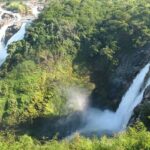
{"x": 72, "y": 43}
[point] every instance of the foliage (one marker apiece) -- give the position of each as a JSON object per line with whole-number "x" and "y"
{"x": 135, "y": 138}
{"x": 31, "y": 90}
{"x": 17, "y": 6}
{"x": 93, "y": 40}
{"x": 72, "y": 43}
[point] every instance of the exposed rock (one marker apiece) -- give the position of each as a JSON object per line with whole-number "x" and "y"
{"x": 1, "y": 24}
{"x": 142, "y": 111}
{"x": 147, "y": 94}
{"x": 128, "y": 69}
{"x": 120, "y": 79}
{"x": 7, "y": 16}
{"x": 40, "y": 8}
{"x": 11, "y": 31}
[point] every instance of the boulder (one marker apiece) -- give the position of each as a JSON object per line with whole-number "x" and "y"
{"x": 7, "y": 16}
{"x": 11, "y": 31}
{"x": 1, "y": 24}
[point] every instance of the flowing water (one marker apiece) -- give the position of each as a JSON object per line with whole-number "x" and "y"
{"x": 17, "y": 36}
{"x": 132, "y": 97}
{"x": 108, "y": 122}
{"x": 96, "y": 121}
{"x": 3, "y": 52}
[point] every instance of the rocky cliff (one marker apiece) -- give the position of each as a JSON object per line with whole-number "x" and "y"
{"x": 121, "y": 78}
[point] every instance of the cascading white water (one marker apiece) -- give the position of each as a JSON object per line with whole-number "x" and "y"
{"x": 97, "y": 121}
{"x": 3, "y": 47}
{"x": 3, "y": 31}
{"x": 17, "y": 36}
{"x": 133, "y": 96}
{"x": 108, "y": 122}
{"x": 16, "y": 16}
{"x": 3, "y": 53}
{"x": 35, "y": 11}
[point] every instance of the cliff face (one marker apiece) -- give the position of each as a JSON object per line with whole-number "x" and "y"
{"x": 142, "y": 111}
{"x": 120, "y": 79}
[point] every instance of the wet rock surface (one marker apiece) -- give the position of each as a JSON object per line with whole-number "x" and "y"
{"x": 12, "y": 30}
{"x": 128, "y": 68}
{"x": 7, "y": 16}
{"x": 142, "y": 111}
{"x": 120, "y": 80}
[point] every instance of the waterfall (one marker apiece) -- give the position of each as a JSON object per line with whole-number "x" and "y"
{"x": 108, "y": 122}
{"x": 132, "y": 97}
{"x": 3, "y": 52}
{"x": 18, "y": 35}
{"x": 2, "y": 35}
{"x": 17, "y": 16}
{"x": 3, "y": 47}
{"x": 96, "y": 121}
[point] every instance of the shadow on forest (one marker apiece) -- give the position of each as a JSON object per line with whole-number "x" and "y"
{"x": 49, "y": 127}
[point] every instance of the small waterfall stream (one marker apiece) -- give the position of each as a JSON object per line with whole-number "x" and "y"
{"x": 3, "y": 52}
{"x": 18, "y": 35}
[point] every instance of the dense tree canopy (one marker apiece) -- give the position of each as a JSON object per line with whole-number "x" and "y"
{"x": 72, "y": 43}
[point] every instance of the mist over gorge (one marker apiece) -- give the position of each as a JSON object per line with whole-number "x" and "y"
{"x": 75, "y": 74}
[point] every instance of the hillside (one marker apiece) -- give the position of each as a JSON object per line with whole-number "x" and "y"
{"x": 95, "y": 46}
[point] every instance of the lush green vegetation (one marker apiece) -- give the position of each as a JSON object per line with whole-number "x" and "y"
{"x": 31, "y": 90}
{"x": 17, "y": 6}
{"x": 73, "y": 43}
{"x": 134, "y": 139}
{"x": 85, "y": 40}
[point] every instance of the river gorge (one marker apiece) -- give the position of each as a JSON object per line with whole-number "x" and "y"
{"x": 128, "y": 84}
